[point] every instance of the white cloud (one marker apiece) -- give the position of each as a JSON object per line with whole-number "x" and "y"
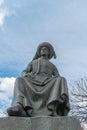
{"x": 2, "y": 114}
{"x": 3, "y": 14}
{"x": 5, "y": 11}
{"x": 6, "y": 87}
{"x": 6, "y": 94}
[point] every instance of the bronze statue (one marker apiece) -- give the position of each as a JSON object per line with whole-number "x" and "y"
{"x": 41, "y": 90}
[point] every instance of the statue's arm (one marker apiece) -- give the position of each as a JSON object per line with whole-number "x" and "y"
{"x": 55, "y": 72}
{"x": 27, "y": 70}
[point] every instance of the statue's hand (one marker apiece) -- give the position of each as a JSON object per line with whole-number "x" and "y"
{"x": 25, "y": 74}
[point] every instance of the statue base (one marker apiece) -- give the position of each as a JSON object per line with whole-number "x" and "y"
{"x": 39, "y": 123}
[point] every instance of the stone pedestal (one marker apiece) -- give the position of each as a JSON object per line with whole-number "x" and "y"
{"x": 39, "y": 123}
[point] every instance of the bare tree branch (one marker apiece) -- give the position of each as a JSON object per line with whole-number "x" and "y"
{"x": 78, "y": 97}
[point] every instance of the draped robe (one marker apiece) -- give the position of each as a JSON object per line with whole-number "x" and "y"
{"x": 40, "y": 89}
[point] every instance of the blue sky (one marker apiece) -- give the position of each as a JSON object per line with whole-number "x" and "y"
{"x": 24, "y": 24}
{"x": 27, "y": 23}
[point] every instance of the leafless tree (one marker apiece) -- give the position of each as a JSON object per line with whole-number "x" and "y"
{"x": 78, "y": 97}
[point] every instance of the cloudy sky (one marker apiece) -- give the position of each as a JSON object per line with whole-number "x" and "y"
{"x": 24, "y": 24}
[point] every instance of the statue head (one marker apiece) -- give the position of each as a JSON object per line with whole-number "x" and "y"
{"x": 44, "y": 52}
{"x": 51, "y": 52}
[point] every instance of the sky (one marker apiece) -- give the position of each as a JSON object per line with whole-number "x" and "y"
{"x": 24, "y": 24}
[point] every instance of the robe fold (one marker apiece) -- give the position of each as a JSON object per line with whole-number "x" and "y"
{"x": 41, "y": 89}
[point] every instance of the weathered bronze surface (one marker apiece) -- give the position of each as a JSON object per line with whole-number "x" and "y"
{"x": 41, "y": 90}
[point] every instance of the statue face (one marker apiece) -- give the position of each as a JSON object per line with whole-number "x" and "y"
{"x": 44, "y": 51}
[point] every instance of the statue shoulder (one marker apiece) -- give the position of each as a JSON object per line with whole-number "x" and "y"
{"x": 53, "y": 65}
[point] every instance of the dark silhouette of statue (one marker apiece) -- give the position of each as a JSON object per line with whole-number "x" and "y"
{"x": 41, "y": 90}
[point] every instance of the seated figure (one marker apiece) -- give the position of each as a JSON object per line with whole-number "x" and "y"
{"x": 40, "y": 90}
